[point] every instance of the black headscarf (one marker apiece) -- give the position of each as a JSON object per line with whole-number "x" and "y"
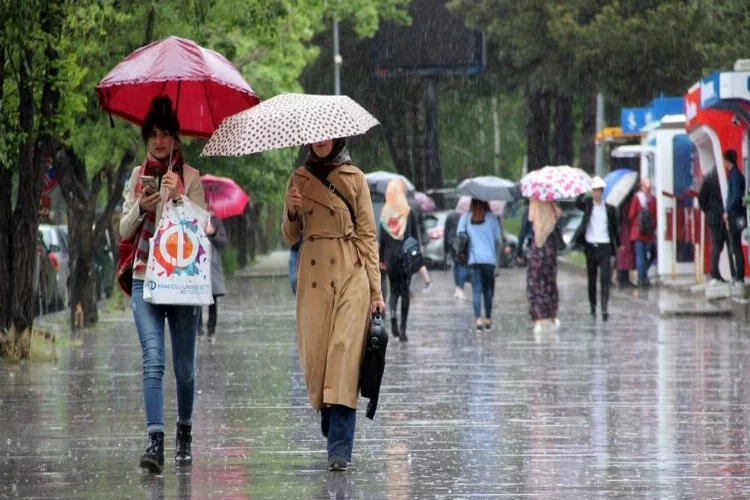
{"x": 339, "y": 155}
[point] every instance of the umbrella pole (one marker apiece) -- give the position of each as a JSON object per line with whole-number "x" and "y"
{"x": 177, "y": 102}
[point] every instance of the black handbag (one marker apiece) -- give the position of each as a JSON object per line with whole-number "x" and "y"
{"x": 373, "y": 363}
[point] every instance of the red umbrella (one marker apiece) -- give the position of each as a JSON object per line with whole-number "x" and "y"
{"x": 224, "y": 197}
{"x": 204, "y": 87}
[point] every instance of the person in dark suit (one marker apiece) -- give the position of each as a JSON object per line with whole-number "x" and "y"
{"x": 712, "y": 206}
{"x": 599, "y": 236}
{"x": 735, "y": 216}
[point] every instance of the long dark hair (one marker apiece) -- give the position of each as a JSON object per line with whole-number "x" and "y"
{"x": 161, "y": 115}
{"x": 478, "y": 210}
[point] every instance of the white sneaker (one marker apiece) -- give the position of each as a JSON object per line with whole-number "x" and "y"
{"x": 556, "y": 324}
{"x": 459, "y": 295}
{"x": 538, "y": 328}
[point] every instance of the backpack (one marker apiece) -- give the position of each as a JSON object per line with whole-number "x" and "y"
{"x": 411, "y": 256}
{"x": 645, "y": 222}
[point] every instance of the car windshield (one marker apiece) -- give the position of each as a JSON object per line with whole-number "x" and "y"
{"x": 47, "y": 237}
{"x": 63, "y": 237}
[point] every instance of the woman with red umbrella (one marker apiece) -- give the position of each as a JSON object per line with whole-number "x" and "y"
{"x": 162, "y": 170}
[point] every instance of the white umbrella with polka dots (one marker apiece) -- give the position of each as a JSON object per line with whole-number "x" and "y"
{"x": 289, "y": 120}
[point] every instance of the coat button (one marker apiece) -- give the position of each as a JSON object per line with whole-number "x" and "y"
{"x": 333, "y": 261}
{"x": 312, "y": 238}
{"x": 333, "y": 212}
{"x": 314, "y": 285}
{"x": 332, "y": 284}
{"x": 312, "y": 262}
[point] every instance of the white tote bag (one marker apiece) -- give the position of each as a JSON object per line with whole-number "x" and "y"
{"x": 178, "y": 271}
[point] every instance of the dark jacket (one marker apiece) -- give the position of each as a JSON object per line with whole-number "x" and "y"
{"x": 218, "y": 241}
{"x": 586, "y": 204}
{"x": 736, "y": 190}
{"x": 449, "y": 233}
{"x": 390, "y": 247}
{"x": 709, "y": 197}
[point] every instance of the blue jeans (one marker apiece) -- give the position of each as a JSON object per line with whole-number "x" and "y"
{"x": 641, "y": 260}
{"x": 337, "y": 423}
{"x": 482, "y": 285}
{"x": 183, "y": 325}
{"x": 293, "y": 257}
{"x": 460, "y": 274}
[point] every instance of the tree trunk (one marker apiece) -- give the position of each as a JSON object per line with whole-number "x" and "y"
{"x": 82, "y": 272}
{"x": 588, "y": 131}
{"x": 416, "y": 128}
{"x": 537, "y": 129}
{"x": 433, "y": 172}
{"x": 6, "y": 176}
{"x": 496, "y": 133}
{"x": 563, "y": 138}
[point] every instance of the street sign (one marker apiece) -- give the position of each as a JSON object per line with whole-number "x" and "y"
{"x": 50, "y": 181}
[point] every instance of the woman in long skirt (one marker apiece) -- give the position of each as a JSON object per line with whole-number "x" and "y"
{"x": 541, "y": 276}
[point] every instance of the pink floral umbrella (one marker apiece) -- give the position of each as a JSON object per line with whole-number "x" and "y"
{"x": 426, "y": 203}
{"x": 464, "y": 202}
{"x": 555, "y": 183}
{"x": 225, "y": 198}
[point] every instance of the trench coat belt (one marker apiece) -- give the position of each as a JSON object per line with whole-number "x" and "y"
{"x": 313, "y": 237}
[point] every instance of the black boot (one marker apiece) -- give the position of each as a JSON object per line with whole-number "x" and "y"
{"x": 394, "y": 327}
{"x": 153, "y": 459}
{"x": 183, "y": 455}
{"x": 402, "y": 334}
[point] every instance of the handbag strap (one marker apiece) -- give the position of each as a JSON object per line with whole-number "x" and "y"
{"x": 332, "y": 188}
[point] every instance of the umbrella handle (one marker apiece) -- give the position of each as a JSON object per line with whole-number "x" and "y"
{"x": 300, "y": 214}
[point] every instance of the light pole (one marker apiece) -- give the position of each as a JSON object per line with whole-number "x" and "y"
{"x": 337, "y": 60}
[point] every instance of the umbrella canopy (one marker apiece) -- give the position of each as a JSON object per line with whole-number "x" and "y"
{"x": 426, "y": 203}
{"x": 204, "y": 87}
{"x": 378, "y": 181}
{"x": 224, "y": 196}
{"x": 489, "y": 188}
{"x": 464, "y": 202}
{"x": 555, "y": 183}
{"x": 620, "y": 184}
{"x": 289, "y": 120}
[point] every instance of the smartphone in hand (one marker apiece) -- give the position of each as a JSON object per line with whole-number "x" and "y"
{"x": 150, "y": 186}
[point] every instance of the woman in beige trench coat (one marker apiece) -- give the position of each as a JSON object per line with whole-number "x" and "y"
{"x": 338, "y": 285}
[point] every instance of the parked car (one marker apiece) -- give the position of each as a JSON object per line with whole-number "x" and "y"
{"x": 56, "y": 240}
{"x": 434, "y": 226}
{"x": 569, "y": 223}
{"x": 45, "y": 279}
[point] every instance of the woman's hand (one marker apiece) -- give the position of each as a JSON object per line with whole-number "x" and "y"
{"x": 377, "y": 306}
{"x": 148, "y": 202}
{"x": 170, "y": 181}
{"x": 383, "y": 266}
{"x": 293, "y": 201}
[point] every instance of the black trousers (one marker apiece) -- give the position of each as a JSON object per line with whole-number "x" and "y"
{"x": 599, "y": 258}
{"x": 213, "y": 315}
{"x": 735, "y": 254}
{"x": 399, "y": 287}
{"x": 719, "y": 237}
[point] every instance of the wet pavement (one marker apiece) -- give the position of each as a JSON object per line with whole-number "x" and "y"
{"x": 644, "y": 407}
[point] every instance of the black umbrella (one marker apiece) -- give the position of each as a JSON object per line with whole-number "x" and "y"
{"x": 490, "y": 188}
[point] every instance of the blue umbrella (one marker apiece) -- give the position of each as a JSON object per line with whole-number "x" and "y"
{"x": 620, "y": 183}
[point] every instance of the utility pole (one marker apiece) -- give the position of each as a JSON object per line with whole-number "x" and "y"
{"x": 599, "y": 161}
{"x": 337, "y": 60}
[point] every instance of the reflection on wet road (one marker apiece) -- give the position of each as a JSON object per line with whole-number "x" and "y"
{"x": 640, "y": 408}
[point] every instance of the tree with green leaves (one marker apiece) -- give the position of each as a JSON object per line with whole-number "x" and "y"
{"x": 32, "y": 82}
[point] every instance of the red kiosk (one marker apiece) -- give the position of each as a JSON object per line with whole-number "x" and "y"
{"x": 717, "y": 120}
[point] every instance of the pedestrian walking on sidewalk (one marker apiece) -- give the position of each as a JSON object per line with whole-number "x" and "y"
{"x": 217, "y": 235}
{"x": 483, "y": 231}
{"x": 735, "y": 216}
{"x": 141, "y": 211}
{"x": 712, "y": 205}
{"x": 460, "y": 271}
{"x": 642, "y": 217}
{"x": 397, "y": 224}
{"x": 338, "y": 285}
{"x": 625, "y": 253}
{"x": 599, "y": 236}
{"x": 541, "y": 274}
